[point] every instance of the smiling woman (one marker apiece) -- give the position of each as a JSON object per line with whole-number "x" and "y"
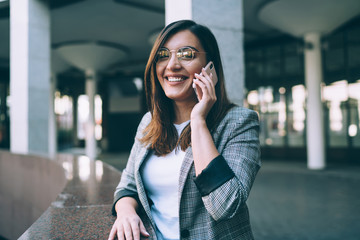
{"x": 175, "y": 72}
{"x": 200, "y": 149}
{"x": 203, "y": 42}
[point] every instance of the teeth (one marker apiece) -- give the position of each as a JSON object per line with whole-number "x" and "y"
{"x": 175, "y": 79}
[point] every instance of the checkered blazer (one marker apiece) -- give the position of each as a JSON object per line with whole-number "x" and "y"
{"x": 213, "y": 204}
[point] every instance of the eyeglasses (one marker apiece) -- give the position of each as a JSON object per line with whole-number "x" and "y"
{"x": 184, "y": 55}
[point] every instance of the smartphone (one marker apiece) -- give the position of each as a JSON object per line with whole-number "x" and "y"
{"x": 209, "y": 68}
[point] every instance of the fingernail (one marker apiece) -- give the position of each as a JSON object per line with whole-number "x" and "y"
{"x": 193, "y": 85}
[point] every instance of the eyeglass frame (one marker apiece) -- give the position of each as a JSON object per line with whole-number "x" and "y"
{"x": 193, "y": 50}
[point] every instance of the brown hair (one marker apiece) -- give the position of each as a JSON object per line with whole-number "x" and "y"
{"x": 161, "y": 133}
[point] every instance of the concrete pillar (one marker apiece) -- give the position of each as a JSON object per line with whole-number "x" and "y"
{"x": 314, "y": 118}
{"x": 90, "y": 141}
{"x": 29, "y": 76}
{"x": 225, "y": 19}
{"x": 52, "y": 119}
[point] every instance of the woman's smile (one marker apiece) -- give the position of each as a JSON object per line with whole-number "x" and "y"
{"x": 175, "y": 79}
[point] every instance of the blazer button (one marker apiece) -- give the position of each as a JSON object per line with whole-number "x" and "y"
{"x": 185, "y": 233}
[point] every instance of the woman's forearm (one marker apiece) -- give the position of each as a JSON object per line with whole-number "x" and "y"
{"x": 203, "y": 147}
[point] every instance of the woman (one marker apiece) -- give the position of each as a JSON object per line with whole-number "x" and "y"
{"x": 195, "y": 158}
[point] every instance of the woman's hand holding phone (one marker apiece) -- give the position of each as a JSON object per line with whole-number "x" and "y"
{"x": 210, "y": 70}
{"x": 204, "y": 86}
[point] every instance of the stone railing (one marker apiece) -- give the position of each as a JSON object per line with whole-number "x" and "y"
{"x": 67, "y": 198}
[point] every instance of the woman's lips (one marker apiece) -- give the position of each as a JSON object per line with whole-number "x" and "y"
{"x": 175, "y": 79}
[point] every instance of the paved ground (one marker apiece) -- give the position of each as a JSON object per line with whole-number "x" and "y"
{"x": 288, "y": 201}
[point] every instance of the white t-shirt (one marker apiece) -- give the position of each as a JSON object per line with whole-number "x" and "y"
{"x": 161, "y": 181}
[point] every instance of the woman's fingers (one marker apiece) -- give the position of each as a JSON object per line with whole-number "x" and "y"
{"x": 210, "y": 81}
{"x": 207, "y": 77}
{"x": 128, "y": 229}
{"x": 206, "y": 86}
{"x": 143, "y": 231}
{"x": 116, "y": 231}
{"x": 120, "y": 233}
{"x": 135, "y": 229}
{"x": 113, "y": 233}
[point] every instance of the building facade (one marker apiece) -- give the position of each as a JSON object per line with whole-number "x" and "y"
{"x": 267, "y": 72}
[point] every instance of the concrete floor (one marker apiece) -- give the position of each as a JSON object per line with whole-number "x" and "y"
{"x": 288, "y": 201}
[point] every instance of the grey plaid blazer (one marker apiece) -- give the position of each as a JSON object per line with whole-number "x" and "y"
{"x": 213, "y": 204}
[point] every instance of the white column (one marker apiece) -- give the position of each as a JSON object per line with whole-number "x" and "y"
{"x": 314, "y": 118}
{"x": 177, "y": 10}
{"x": 225, "y": 20}
{"x": 90, "y": 141}
{"x": 29, "y": 76}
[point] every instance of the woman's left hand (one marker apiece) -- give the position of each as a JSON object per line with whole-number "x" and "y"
{"x": 206, "y": 95}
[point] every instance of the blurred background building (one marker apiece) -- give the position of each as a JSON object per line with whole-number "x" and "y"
{"x": 71, "y": 81}
{"x": 298, "y": 66}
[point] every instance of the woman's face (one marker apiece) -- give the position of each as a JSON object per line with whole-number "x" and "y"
{"x": 176, "y": 75}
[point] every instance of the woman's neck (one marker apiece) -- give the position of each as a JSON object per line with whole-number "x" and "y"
{"x": 182, "y": 111}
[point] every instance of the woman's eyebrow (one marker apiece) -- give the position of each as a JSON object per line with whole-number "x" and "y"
{"x": 192, "y": 48}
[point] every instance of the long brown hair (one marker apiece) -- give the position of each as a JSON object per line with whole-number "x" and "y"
{"x": 161, "y": 133}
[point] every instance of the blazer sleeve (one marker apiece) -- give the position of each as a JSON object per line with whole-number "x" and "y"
{"x": 127, "y": 184}
{"x": 226, "y": 182}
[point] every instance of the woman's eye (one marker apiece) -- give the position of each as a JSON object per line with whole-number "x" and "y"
{"x": 162, "y": 54}
{"x": 187, "y": 54}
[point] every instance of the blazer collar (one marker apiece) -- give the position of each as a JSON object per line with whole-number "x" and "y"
{"x": 142, "y": 156}
{"x": 185, "y": 169}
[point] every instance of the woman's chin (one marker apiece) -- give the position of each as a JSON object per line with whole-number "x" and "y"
{"x": 182, "y": 97}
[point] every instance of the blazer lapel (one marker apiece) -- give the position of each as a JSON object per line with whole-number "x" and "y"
{"x": 143, "y": 154}
{"x": 184, "y": 170}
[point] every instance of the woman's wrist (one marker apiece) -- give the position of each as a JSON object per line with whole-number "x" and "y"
{"x": 197, "y": 122}
{"x": 126, "y": 204}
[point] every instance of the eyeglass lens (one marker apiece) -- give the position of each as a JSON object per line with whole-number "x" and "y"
{"x": 184, "y": 55}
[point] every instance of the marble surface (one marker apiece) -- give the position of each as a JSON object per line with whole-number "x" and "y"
{"x": 83, "y": 209}
{"x": 28, "y": 185}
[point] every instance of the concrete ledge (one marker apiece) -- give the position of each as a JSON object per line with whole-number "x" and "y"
{"x": 28, "y": 185}
{"x": 74, "y": 194}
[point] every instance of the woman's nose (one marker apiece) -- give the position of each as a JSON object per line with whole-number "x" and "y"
{"x": 174, "y": 62}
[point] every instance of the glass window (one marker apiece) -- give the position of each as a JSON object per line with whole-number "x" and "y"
{"x": 354, "y": 108}
{"x": 4, "y": 116}
{"x": 293, "y": 65}
{"x": 83, "y": 116}
{"x": 273, "y": 62}
{"x": 254, "y": 64}
{"x": 296, "y": 116}
{"x": 353, "y": 55}
{"x": 335, "y": 95}
{"x": 334, "y": 59}
{"x": 353, "y": 36}
{"x": 63, "y": 107}
{"x": 272, "y": 109}
{"x": 292, "y": 59}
